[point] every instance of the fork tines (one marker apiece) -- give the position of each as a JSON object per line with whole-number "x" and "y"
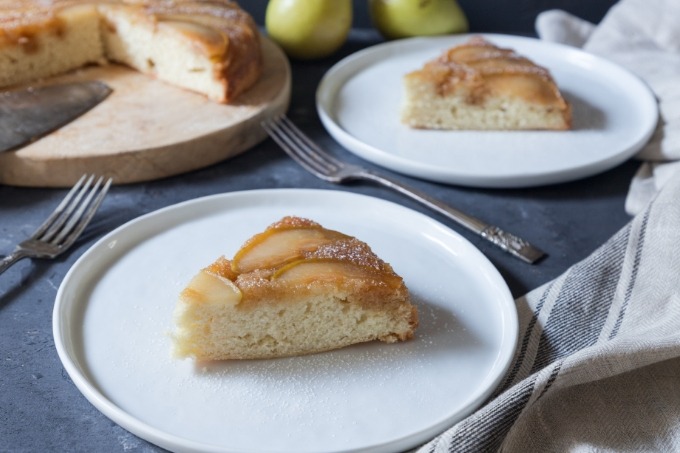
{"x": 64, "y": 225}
{"x": 300, "y": 147}
{"x": 74, "y": 212}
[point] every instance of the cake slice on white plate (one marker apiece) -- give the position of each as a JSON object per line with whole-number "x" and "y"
{"x": 296, "y": 288}
{"x": 479, "y": 86}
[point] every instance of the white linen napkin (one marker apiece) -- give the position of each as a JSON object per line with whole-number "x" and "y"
{"x": 644, "y": 37}
{"x": 597, "y": 366}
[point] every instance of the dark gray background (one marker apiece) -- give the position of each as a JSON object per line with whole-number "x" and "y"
{"x": 506, "y": 16}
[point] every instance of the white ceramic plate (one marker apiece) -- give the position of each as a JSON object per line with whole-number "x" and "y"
{"x": 114, "y": 311}
{"x": 614, "y": 114}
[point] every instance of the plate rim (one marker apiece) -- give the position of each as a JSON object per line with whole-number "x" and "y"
{"x": 63, "y": 331}
{"x": 343, "y": 70}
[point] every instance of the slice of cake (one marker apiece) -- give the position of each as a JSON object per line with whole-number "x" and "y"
{"x": 479, "y": 86}
{"x": 296, "y": 288}
{"x": 208, "y": 46}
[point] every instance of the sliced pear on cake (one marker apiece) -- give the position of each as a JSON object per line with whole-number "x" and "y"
{"x": 209, "y": 40}
{"x": 477, "y": 85}
{"x": 296, "y": 288}
{"x": 307, "y": 271}
{"x": 211, "y": 288}
{"x": 315, "y": 269}
{"x": 206, "y": 292}
{"x": 283, "y": 242}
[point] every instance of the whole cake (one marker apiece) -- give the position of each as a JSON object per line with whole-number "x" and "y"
{"x": 296, "y": 288}
{"x": 208, "y": 46}
{"x": 479, "y": 86}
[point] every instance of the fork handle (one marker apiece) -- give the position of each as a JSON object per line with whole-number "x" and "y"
{"x": 510, "y": 243}
{"x": 12, "y": 258}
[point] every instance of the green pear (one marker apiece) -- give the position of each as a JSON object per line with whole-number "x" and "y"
{"x": 309, "y": 29}
{"x": 405, "y": 18}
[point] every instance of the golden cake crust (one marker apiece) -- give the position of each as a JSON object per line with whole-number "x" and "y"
{"x": 477, "y": 62}
{"x": 377, "y": 276}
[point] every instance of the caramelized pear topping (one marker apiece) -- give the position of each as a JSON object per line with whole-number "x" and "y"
{"x": 200, "y": 31}
{"x": 222, "y": 267}
{"x": 501, "y": 70}
{"x": 300, "y": 251}
{"x": 207, "y": 287}
{"x": 320, "y": 269}
{"x": 280, "y": 244}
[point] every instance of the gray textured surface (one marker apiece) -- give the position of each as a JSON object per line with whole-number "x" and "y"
{"x": 40, "y": 408}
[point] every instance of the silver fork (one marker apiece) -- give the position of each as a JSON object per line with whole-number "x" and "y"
{"x": 321, "y": 164}
{"x": 65, "y": 224}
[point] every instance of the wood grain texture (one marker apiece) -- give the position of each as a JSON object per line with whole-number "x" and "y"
{"x": 147, "y": 129}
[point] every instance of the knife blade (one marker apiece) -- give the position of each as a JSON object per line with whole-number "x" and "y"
{"x": 28, "y": 114}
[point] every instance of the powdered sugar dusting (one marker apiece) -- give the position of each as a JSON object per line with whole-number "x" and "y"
{"x": 351, "y": 250}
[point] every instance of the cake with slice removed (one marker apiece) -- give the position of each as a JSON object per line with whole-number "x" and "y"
{"x": 479, "y": 86}
{"x": 210, "y": 47}
{"x": 296, "y": 288}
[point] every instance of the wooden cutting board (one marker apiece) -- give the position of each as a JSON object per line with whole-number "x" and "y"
{"x": 147, "y": 129}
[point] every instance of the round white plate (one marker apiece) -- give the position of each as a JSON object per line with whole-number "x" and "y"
{"x": 113, "y": 315}
{"x": 614, "y": 114}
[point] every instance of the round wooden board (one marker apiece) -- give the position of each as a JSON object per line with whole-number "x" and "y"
{"x": 147, "y": 129}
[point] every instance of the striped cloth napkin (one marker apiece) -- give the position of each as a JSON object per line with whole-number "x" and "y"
{"x": 644, "y": 37}
{"x": 597, "y": 366}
